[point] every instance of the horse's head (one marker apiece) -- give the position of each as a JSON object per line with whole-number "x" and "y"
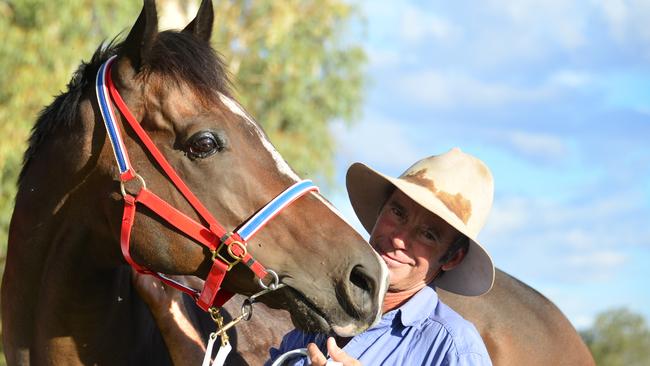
{"x": 176, "y": 87}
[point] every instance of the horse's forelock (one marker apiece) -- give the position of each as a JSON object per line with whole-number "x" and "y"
{"x": 186, "y": 59}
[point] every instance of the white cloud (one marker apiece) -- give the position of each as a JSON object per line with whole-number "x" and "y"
{"x": 556, "y": 22}
{"x": 535, "y": 29}
{"x": 536, "y": 145}
{"x": 604, "y": 259}
{"x": 582, "y": 320}
{"x": 450, "y": 89}
{"x": 572, "y": 79}
{"x": 507, "y": 216}
{"x": 383, "y": 58}
{"x": 444, "y": 88}
{"x": 627, "y": 19}
{"x": 545, "y": 240}
{"x": 377, "y": 141}
{"x": 580, "y": 310}
{"x": 417, "y": 25}
{"x": 615, "y": 13}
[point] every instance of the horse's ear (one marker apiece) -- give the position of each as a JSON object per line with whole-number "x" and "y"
{"x": 138, "y": 43}
{"x": 201, "y": 26}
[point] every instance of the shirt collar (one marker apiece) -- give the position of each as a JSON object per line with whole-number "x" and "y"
{"x": 418, "y": 308}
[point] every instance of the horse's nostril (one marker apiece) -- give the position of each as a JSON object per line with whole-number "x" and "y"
{"x": 360, "y": 279}
{"x": 356, "y": 293}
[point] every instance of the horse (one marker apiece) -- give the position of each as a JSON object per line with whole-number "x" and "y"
{"x": 67, "y": 293}
{"x": 519, "y": 326}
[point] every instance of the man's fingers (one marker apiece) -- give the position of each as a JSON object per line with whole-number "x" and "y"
{"x": 315, "y": 355}
{"x": 337, "y": 354}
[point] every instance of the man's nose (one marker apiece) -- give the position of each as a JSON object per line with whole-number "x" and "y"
{"x": 399, "y": 238}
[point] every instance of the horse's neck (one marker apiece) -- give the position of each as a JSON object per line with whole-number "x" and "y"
{"x": 57, "y": 296}
{"x": 61, "y": 304}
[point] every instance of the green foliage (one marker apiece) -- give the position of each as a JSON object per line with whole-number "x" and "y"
{"x": 293, "y": 72}
{"x": 43, "y": 44}
{"x": 289, "y": 63}
{"x": 619, "y": 337}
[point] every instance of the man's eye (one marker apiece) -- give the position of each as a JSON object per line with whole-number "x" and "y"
{"x": 429, "y": 236}
{"x": 397, "y": 212}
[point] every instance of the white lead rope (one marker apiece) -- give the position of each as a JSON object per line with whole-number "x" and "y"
{"x": 223, "y": 352}
{"x": 302, "y": 352}
{"x": 225, "y": 349}
{"x": 246, "y": 313}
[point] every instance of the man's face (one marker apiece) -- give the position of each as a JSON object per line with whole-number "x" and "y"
{"x": 411, "y": 240}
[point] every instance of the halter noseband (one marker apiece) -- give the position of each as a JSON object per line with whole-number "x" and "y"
{"x": 228, "y": 248}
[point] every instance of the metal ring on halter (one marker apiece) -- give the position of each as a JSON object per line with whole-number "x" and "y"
{"x": 273, "y": 285}
{"x": 247, "y": 309}
{"x": 142, "y": 182}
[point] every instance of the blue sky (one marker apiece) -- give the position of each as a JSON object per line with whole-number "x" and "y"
{"x": 554, "y": 96}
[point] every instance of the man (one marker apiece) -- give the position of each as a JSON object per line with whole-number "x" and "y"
{"x": 424, "y": 226}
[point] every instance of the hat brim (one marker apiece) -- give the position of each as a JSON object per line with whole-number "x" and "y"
{"x": 368, "y": 190}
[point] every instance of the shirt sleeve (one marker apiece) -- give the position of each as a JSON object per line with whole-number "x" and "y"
{"x": 438, "y": 347}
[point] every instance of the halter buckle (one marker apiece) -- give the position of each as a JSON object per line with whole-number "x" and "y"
{"x": 231, "y": 257}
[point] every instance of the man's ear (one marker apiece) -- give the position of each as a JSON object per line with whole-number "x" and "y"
{"x": 454, "y": 261}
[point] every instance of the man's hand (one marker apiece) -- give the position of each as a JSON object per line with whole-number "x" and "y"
{"x": 318, "y": 359}
{"x": 159, "y": 297}
{"x": 166, "y": 304}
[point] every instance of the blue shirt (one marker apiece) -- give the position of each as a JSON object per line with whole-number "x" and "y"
{"x": 423, "y": 331}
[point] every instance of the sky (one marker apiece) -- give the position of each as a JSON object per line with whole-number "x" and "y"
{"x": 554, "y": 96}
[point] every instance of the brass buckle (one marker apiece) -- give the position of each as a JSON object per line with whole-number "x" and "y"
{"x": 234, "y": 259}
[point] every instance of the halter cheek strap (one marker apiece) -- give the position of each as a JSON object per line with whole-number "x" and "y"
{"x": 228, "y": 248}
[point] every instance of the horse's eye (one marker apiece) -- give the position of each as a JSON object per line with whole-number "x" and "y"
{"x": 203, "y": 144}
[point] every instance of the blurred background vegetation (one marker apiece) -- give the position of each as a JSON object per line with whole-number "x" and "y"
{"x": 619, "y": 337}
{"x": 292, "y": 68}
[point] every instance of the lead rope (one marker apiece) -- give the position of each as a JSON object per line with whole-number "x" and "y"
{"x": 246, "y": 314}
{"x": 301, "y": 352}
{"x": 225, "y": 347}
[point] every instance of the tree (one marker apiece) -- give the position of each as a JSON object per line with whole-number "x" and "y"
{"x": 619, "y": 337}
{"x": 293, "y": 72}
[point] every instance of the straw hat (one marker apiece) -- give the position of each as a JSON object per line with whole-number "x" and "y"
{"x": 455, "y": 186}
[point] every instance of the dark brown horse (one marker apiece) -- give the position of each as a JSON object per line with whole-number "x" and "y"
{"x": 67, "y": 296}
{"x": 518, "y": 325}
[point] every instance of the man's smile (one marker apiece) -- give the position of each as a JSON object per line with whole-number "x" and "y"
{"x": 392, "y": 260}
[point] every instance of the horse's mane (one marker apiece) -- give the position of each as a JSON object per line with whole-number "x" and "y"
{"x": 175, "y": 55}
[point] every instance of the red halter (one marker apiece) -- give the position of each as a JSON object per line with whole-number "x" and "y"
{"x": 228, "y": 248}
